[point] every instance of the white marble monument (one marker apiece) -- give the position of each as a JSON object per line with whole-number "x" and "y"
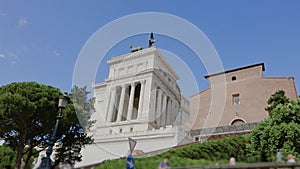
{"x": 142, "y": 100}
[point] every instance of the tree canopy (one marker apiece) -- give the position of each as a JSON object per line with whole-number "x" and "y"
{"x": 281, "y": 131}
{"x": 28, "y": 112}
{"x": 7, "y": 156}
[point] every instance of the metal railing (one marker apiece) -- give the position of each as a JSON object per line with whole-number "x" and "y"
{"x": 249, "y": 166}
{"x": 222, "y": 130}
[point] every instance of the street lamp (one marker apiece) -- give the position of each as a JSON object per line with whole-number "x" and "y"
{"x": 46, "y": 162}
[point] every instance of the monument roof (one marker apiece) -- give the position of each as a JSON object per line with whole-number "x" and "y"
{"x": 141, "y": 53}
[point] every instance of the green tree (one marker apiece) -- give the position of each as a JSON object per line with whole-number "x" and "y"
{"x": 83, "y": 105}
{"x": 28, "y": 112}
{"x": 275, "y": 100}
{"x": 72, "y": 141}
{"x": 7, "y": 156}
{"x": 280, "y": 131}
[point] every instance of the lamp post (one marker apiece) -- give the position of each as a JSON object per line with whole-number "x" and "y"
{"x": 46, "y": 162}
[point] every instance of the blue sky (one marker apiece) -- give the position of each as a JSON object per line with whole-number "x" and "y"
{"x": 40, "y": 41}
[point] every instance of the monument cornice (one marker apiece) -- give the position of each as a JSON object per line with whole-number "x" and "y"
{"x": 143, "y": 53}
{"x": 131, "y": 56}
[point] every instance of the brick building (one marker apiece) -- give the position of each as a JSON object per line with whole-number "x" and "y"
{"x": 246, "y": 92}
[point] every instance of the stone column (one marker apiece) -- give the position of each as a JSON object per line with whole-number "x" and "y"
{"x": 107, "y": 105}
{"x": 173, "y": 116}
{"x": 152, "y": 105}
{"x": 141, "y": 99}
{"x": 130, "y": 105}
{"x": 169, "y": 111}
{"x": 176, "y": 112}
{"x": 111, "y": 104}
{"x": 121, "y": 103}
{"x": 164, "y": 110}
{"x": 158, "y": 107}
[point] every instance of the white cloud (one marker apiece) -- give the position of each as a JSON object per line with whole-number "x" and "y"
{"x": 22, "y": 21}
{"x": 55, "y": 53}
{"x": 2, "y": 56}
{"x": 12, "y": 55}
{"x": 3, "y": 13}
{"x": 13, "y": 58}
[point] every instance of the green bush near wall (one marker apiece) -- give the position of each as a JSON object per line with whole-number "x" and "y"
{"x": 197, "y": 154}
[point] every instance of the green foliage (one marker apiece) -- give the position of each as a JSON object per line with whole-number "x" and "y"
{"x": 209, "y": 153}
{"x": 28, "y": 113}
{"x": 153, "y": 162}
{"x": 280, "y": 131}
{"x": 83, "y": 106}
{"x": 7, "y": 156}
{"x": 276, "y": 99}
{"x": 214, "y": 150}
{"x": 73, "y": 125}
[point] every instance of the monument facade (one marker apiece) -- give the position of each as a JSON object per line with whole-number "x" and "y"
{"x": 140, "y": 99}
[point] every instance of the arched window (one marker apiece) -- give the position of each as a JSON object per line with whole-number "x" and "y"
{"x": 237, "y": 122}
{"x": 233, "y": 78}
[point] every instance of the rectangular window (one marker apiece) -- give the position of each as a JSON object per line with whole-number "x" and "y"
{"x": 110, "y": 131}
{"x": 131, "y": 129}
{"x": 121, "y": 130}
{"x": 196, "y": 138}
{"x": 236, "y": 99}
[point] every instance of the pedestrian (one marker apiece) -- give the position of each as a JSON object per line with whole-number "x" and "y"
{"x": 165, "y": 163}
{"x": 291, "y": 158}
{"x": 232, "y": 161}
{"x": 278, "y": 156}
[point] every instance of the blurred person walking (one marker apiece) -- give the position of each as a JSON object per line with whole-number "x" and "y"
{"x": 291, "y": 158}
{"x": 232, "y": 161}
{"x": 165, "y": 163}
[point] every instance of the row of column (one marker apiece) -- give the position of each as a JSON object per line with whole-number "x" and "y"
{"x": 166, "y": 110}
{"x": 119, "y": 103}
